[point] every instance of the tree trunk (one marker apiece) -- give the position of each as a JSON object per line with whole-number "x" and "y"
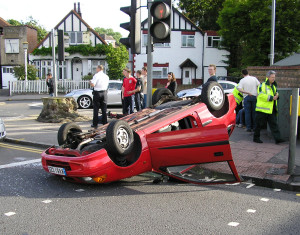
{"x": 59, "y": 109}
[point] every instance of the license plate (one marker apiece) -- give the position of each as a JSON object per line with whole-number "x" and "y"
{"x": 57, "y": 170}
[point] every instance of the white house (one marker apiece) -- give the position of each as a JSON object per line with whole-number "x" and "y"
{"x": 187, "y": 55}
{"x": 76, "y": 65}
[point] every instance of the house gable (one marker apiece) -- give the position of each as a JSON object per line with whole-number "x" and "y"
{"x": 73, "y": 22}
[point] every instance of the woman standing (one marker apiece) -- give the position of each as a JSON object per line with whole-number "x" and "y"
{"x": 172, "y": 84}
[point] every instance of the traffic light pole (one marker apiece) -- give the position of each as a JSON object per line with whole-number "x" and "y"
{"x": 54, "y": 63}
{"x": 149, "y": 57}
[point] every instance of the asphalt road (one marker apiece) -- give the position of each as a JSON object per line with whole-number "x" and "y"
{"x": 35, "y": 202}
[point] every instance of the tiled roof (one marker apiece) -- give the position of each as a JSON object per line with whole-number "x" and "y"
{"x": 4, "y": 23}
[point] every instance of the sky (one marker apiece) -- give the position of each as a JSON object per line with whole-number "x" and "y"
{"x": 97, "y": 13}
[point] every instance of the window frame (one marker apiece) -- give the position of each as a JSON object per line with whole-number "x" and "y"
{"x": 185, "y": 40}
{"x": 212, "y": 39}
{"x": 16, "y": 44}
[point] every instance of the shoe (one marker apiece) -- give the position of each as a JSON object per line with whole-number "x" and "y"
{"x": 258, "y": 141}
{"x": 240, "y": 125}
{"x": 249, "y": 130}
{"x": 94, "y": 126}
{"x": 279, "y": 141}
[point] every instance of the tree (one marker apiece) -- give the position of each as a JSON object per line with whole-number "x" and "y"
{"x": 41, "y": 31}
{"x": 203, "y": 12}
{"x": 110, "y": 32}
{"x": 19, "y": 72}
{"x": 246, "y": 30}
{"x": 116, "y": 58}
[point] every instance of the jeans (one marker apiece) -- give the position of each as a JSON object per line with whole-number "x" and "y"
{"x": 138, "y": 101}
{"x": 129, "y": 104}
{"x": 145, "y": 101}
{"x": 249, "y": 106}
{"x": 240, "y": 117}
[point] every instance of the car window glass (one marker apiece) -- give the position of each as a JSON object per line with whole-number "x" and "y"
{"x": 224, "y": 85}
{"x": 230, "y": 86}
{"x": 185, "y": 123}
{"x": 114, "y": 86}
{"x": 202, "y": 173}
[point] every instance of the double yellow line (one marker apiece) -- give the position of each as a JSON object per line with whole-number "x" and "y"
{"x": 9, "y": 146}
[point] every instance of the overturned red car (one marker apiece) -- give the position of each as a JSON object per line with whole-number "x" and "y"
{"x": 183, "y": 139}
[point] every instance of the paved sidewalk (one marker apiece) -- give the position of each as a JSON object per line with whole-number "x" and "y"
{"x": 20, "y": 97}
{"x": 262, "y": 164}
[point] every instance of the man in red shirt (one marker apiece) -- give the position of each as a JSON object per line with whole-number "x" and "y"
{"x": 129, "y": 83}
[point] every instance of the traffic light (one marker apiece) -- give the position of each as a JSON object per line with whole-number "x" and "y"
{"x": 160, "y": 30}
{"x": 63, "y": 42}
{"x": 133, "y": 40}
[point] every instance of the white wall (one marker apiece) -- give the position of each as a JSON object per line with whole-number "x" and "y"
{"x": 175, "y": 54}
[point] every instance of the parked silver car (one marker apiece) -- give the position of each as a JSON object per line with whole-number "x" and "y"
{"x": 84, "y": 97}
{"x": 2, "y": 129}
{"x": 188, "y": 93}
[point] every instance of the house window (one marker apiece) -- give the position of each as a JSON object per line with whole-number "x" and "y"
{"x": 95, "y": 63}
{"x": 160, "y": 72}
{"x": 145, "y": 40}
{"x": 62, "y": 70}
{"x": 11, "y": 45}
{"x": 8, "y": 70}
{"x": 75, "y": 38}
{"x": 213, "y": 41}
{"x": 46, "y": 68}
{"x": 162, "y": 45}
{"x": 188, "y": 40}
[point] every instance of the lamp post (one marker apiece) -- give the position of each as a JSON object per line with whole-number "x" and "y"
{"x": 25, "y": 47}
{"x": 1, "y": 33}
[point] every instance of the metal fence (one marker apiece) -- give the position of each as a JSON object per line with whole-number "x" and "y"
{"x": 40, "y": 86}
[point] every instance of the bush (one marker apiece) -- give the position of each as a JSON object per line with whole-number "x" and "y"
{"x": 87, "y": 77}
{"x": 19, "y": 72}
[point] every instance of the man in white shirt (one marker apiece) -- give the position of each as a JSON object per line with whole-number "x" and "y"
{"x": 100, "y": 84}
{"x": 248, "y": 86}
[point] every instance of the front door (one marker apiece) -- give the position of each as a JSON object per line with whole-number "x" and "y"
{"x": 77, "y": 71}
{"x": 187, "y": 76}
{"x": 200, "y": 155}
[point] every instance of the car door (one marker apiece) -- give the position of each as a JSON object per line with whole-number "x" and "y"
{"x": 200, "y": 155}
{"x": 114, "y": 93}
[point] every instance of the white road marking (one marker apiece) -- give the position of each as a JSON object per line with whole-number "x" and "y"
{"x": 36, "y": 104}
{"x": 47, "y": 201}
{"x": 80, "y": 190}
{"x": 19, "y": 163}
{"x": 276, "y": 189}
{"x": 250, "y": 185}
{"x": 265, "y": 199}
{"x": 251, "y": 211}
{"x": 233, "y": 184}
{"x": 233, "y": 224}
{"x": 10, "y": 213}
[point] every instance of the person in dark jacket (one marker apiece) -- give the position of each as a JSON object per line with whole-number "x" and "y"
{"x": 172, "y": 84}
{"x": 212, "y": 73}
{"x": 50, "y": 84}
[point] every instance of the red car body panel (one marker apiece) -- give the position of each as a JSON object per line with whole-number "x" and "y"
{"x": 206, "y": 140}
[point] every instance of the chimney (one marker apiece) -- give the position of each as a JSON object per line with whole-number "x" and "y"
{"x": 75, "y": 6}
{"x": 79, "y": 12}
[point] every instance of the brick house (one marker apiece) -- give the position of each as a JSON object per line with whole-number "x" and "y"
{"x": 12, "y": 52}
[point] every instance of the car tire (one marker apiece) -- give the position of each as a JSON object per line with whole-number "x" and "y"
{"x": 159, "y": 93}
{"x": 119, "y": 137}
{"x": 84, "y": 102}
{"x": 213, "y": 96}
{"x": 65, "y": 132}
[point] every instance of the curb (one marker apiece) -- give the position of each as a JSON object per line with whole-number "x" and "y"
{"x": 27, "y": 143}
{"x": 288, "y": 186}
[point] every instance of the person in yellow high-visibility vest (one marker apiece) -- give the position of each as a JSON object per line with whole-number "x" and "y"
{"x": 266, "y": 108}
{"x": 238, "y": 96}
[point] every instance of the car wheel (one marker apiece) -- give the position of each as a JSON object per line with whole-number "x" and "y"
{"x": 213, "y": 96}
{"x": 65, "y": 135}
{"x": 159, "y": 93}
{"x": 84, "y": 102}
{"x": 119, "y": 137}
